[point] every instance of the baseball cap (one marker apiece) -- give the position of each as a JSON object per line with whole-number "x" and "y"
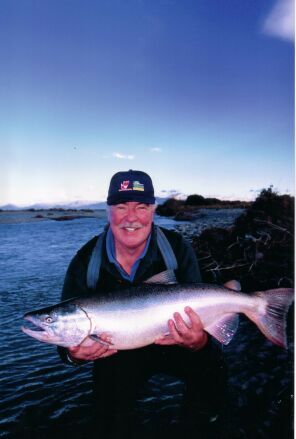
{"x": 131, "y": 186}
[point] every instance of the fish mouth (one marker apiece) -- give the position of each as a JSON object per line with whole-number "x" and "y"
{"x": 39, "y": 332}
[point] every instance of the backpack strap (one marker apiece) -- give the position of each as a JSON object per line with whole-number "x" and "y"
{"x": 166, "y": 250}
{"x": 94, "y": 265}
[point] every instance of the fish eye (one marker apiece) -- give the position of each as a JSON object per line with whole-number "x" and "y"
{"x": 49, "y": 319}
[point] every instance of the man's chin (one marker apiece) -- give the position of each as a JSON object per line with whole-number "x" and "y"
{"x": 133, "y": 241}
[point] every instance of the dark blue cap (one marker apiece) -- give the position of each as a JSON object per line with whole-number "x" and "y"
{"x": 130, "y": 186}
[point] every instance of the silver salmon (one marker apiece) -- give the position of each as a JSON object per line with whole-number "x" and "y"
{"x": 135, "y": 317}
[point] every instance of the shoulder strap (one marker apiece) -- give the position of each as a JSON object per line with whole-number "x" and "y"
{"x": 166, "y": 250}
{"x": 94, "y": 265}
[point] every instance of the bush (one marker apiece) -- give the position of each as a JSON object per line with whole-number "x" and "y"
{"x": 257, "y": 250}
{"x": 170, "y": 207}
{"x": 195, "y": 200}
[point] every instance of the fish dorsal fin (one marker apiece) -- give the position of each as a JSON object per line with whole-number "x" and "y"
{"x": 233, "y": 285}
{"x": 224, "y": 328}
{"x": 165, "y": 277}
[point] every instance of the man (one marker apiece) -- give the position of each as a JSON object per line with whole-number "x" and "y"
{"x": 130, "y": 251}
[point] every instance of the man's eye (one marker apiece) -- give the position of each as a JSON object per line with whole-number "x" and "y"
{"x": 143, "y": 207}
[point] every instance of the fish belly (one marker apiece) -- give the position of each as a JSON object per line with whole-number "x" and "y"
{"x": 134, "y": 328}
{"x": 133, "y": 325}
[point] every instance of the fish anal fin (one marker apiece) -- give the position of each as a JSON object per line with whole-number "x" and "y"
{"x": 224, "y": 328}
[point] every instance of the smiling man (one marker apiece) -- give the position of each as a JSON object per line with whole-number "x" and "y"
{"x": 130, "y": 251}
{"x": 130, "y": 228}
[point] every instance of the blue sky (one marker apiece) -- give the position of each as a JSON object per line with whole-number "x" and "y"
{"x": 200, "y": 94}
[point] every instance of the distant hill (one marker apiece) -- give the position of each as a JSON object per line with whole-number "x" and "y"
{"x": 77, "y": 205}
{"x": 9, "y": 207}
{"x": 189, "y": 208}
{"x": 45, "y": 206}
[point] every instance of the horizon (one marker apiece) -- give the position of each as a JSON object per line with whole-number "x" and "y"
{"x": 198, "y": 94}
{"x": 80, "y": 204}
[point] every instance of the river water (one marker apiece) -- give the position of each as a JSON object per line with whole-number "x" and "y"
{"x": 42, "y": 398}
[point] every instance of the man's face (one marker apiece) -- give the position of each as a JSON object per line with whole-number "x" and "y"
{"x": 131, "y": 222}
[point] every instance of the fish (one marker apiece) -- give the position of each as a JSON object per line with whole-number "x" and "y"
{"x": 137, "y": 316}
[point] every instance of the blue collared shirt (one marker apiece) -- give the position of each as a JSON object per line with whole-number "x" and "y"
{"x": 111, "y": 253}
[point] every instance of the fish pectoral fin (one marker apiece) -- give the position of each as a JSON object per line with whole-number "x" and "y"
{"x": 224, "y": 328}
{"x": 97, "y": 338}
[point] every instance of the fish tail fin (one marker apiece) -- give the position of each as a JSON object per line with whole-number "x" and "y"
{"x": 271, "y": 319}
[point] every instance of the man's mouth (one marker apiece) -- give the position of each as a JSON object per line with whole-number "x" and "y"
{"x": 131, "y": 229}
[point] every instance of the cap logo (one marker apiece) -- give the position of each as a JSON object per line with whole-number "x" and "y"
{"x": 137, "y": 186}
{"x": 124, "y": 186}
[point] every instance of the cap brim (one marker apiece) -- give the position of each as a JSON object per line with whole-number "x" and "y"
{"x": 124, "y": 198}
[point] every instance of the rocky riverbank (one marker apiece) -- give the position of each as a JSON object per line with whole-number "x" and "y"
{"x": 207, "y": 219}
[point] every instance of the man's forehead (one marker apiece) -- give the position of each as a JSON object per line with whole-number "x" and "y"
{"x": 132, "y": 203}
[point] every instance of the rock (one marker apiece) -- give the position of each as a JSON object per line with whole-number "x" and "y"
{"x": 70, "y": 217}
{"x": 65, "y": 218}
{"x": 184, "y": 216}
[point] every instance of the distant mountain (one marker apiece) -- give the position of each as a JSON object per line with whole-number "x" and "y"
{"x": 70, "y": 205}
{"x": 9, "y": 207}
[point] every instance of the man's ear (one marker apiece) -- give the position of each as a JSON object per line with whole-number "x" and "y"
{"x": 108, "y": 212}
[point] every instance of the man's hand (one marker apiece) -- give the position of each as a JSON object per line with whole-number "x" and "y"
{"x": 90, "y": 350}
{"x": 191, "y": 336}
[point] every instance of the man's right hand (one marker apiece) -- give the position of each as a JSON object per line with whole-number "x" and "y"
{"x": 90, "y": 350}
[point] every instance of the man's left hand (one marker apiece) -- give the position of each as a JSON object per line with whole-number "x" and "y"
{"x": 191, "y": 336}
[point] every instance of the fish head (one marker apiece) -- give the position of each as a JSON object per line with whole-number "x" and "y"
{"x": 65, "y": 324}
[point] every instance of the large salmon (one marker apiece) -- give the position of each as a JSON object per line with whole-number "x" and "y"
{"x": 136, "y": 317}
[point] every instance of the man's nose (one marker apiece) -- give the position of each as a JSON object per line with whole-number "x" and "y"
{"x": 131, "y": 214}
